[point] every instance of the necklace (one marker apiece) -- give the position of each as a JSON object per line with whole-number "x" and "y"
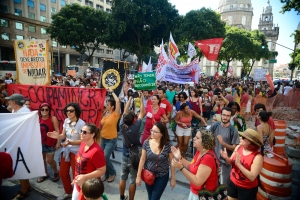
{"x": 154, "y": 108}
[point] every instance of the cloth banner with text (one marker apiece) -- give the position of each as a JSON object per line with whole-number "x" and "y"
{"x": 145, "y": 81}
{"x": 210, "y": 47}
{"x": 20, "y": 137}
{"x": 32, "y": 61}
{"x": 182, "y": 74}
{"x": 90, "y": 100}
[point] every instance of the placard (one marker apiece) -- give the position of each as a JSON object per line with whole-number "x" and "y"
{"x": 145, "y": 81}
{"x": 260, "y": 74}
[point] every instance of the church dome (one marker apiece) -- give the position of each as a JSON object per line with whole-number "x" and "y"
{"x": 267, "y": 8}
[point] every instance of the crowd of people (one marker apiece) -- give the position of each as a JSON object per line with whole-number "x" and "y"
{"x": 227, "y": 152}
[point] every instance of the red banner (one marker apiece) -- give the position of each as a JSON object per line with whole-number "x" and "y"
{"x": 90, "y": 100}
{"x": 210, "y": 47}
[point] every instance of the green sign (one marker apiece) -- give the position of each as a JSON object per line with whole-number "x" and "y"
{"x": 145, "y": 81}
{"x": 273, "y": 61}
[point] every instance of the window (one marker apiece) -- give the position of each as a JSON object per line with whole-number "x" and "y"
{"x": 244, "y": 20}
{"x": 100, "y": 51}
{"x": 108, "y": 10}
{"x": 31, "y": 15}
{"x": 43, "y": 31}
{"x": 31, "y": 28}
{"x": 18, "y": 1}
{"x": 3, "y": 8}
{"x": 30, "y": 3}
{"x": 42, "y": 18}
{"x": 53, "y": 10}
{"x": 63, "y": 46}
{"x": 99, "y": 7}
{"x": 4, "y": 22}
{"x": 43, "y": 7}
{"x": 19, "y": 37}
{"x": 54, "y": 43}
{"x": 109, "y": 51}
{"x": 19, "y": 26}
{"x": 53, "y": 1}
{"x": 102, "y": 0}
{"x": 18, "y": 12}
{"x": 62, "y": 2}
{"x": 108, "y": 2}
{"x": 91, "y": 4}
{"x": 5, "y": 36}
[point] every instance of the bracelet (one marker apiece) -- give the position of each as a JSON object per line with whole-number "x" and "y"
{"x": 182, "y": 168}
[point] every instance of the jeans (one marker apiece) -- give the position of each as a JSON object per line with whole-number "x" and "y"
{"x": 155, "y": 191}
{"x": 108, "y": 146}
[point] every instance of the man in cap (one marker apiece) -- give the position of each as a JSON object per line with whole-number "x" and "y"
{"x": 16, "y": 102}
{"x": 229, "y": 96}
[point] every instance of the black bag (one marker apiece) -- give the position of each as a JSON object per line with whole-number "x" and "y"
{"x": 135, "y": 151}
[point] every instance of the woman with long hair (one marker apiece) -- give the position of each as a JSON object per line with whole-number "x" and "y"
{"x": 109, "y": 133}
{"x": 202, "y": 170}
{"x": 182, "y": 99}
{"x": 246, "y": 162}
{"x": 48, "y": 123}
{"x": 90, "y": 161}
{"x": 71, "y": 134}
{"x": 265, "y": 131}
{"x": 237, "y": 95}
{"x": 154, "y": 113}
{"x": 206, "y": 104}
{"x": 196, "y": 104}
{"x": 183, "y": 129}
{"x": 156, "y": 157}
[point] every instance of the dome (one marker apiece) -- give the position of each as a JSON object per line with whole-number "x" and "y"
{"x": 268, "y": 8}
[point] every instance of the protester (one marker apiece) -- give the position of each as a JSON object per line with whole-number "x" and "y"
{"x": 201, "y": 171}
{"x": 236, "y": 118}
{"x": 90, "y": 162}
{"x": 226, "y": 137}
{"x": 186, "y": 89}
{"x": 260, "y": 107}
{"x": 6, "y": 167}
{"x": 182, "y": 99}
{"x": 221, "y": 102}
{"x": 244, "y": 101}
{"x": 206, "y": 104}
{"x": 173, "y": 115}
{"x": 170, "y": 93}
{"x": 164, "y": 103}
{"x": 92, "y": 189}
{"x": 237, "y": 95}
{"x": 248, "y": 107}
{"x": 109, "y": 133}
{"x": 156, "y": 157}
{"x": 130, "y": 127}
{"x": 229, "y": 96}
{"x": 265, "y": 131}
{"x": 183, "y": 129}
{"x": 246, "y": 164}
{"x": 16, "y": 102}
{"x": 71, "y": 134}
{"x": 196, "y": 104}
{"x": 48, "y": 123}
{"x": 154, "y": 113}
{"x": 3, "y": 104}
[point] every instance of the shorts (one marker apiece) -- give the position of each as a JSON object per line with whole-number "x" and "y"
{"x": 183, "y": 131}
{"x": 241, "y": 193}
{"x": 126, "y": 169}
{"x": 206, "y": 115}
{"x": 48, "y": 149}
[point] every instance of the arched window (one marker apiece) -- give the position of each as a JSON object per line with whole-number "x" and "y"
{"x": 244, "y": 20}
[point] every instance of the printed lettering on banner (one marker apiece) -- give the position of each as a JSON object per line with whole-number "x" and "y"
{"x": 259, "y": 74}
{"x": 145, "y": 81}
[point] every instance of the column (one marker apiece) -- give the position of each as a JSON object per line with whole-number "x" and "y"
{"x": 67, "y": 59}
{"x": 11, "y": 7}
{"x": 94, "y": 61}
{"x": 25, "y": 9}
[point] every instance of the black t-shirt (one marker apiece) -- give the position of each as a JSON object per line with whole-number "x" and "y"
{"x": 53, "y": 82}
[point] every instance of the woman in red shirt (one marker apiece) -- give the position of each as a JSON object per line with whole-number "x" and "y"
{"x": 246, "y": 163}
{"x": 90, "y": 160}
{"x": 201, "y": 171}
{"x": 154, "y": 114}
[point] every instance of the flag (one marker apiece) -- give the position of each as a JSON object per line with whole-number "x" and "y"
{"x": 210, "y": 47}
{"x": 173, "y": 49}
{"x": 216, "y": 76}
{"x": 149, "y": 66}
{"x": 191, "y": 50}
{"x": 144, "y": 67}
{"x": 230, "y": 70}
{"x": 161, "y": 62}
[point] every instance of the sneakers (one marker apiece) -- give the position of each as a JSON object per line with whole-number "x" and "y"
{"x": 125, "y": 197}
{"x": 64, "y": 196}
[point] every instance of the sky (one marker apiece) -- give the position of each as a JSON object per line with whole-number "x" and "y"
{"x": 287, "y": 22}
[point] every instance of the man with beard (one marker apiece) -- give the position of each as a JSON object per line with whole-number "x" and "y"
{"x": 226, "y": 137}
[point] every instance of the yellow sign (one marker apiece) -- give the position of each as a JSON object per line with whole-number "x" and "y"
{"x": 111, "y": 78}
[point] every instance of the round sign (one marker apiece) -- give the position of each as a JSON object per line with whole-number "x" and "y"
{"x": 111, "y": 78}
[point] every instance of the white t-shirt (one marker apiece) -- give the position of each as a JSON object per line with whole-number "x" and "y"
{"x": 88, "y": 72}
{"x": 22, "y": 110}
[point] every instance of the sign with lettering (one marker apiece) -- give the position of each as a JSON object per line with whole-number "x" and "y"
{"x": 32, "y": 62}
{"x": 260, "y": 74}
{"x": 21, "y": 138}
{"x": 145, "y": 81}
{"x": 91, "y": 100}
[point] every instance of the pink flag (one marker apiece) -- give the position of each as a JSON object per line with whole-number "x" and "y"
{"x": 210, "y": 47}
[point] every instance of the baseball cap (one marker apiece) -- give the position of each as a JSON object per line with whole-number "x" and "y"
{"x": 16, "y": 97}
{"x": 228, "y": 90}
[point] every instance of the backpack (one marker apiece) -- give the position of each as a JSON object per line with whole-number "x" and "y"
{"x": 135, "y": 151}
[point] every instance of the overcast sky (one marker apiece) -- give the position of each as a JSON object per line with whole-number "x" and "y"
{"x": 287, "y": 22}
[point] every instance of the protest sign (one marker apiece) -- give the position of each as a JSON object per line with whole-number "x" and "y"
{"x": 20, "y": 137}
{"x": 90, "y": 100}
{"x": 145, "y": 81}
{"x": 259, "y": 74}
{"x": 32, "y": 62}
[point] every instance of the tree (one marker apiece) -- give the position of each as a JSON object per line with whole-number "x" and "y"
{"x": 138, "y": 25}
{"x": 198, "y": 25}
{"x": 296, "y": 59}
{"x": 289, "y": 5}
{"x": 81, "y": 27}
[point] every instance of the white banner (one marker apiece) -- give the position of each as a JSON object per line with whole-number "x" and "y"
{"x": 259, "y": 74}
{"x": 20, "y": 137}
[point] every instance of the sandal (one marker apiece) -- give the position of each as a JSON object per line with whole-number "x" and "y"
{"x": 28, "y": 190}
{"x": 20, "y": 195}
{"x": 42, "y": 179}
{"x": 55, "y": 177}
{"x": 111, "y": 178}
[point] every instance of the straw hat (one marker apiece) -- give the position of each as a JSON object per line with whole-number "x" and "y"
{"x": 252, "y": 135}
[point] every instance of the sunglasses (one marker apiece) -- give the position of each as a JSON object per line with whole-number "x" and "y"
{"x": 84, "y": 132}
{"x": 70, "y": 111}
{"x": 46, "y": 110}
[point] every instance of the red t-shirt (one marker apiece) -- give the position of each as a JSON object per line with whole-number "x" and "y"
{"x": 236, "y": 176}
{"x": 165, "y": 104}
{"x": 270, "y": 122}
{"x": 88, "y": 161}
{"x": 212, "y": 180}
{"x": 46, "y": 125}
{"x": 150, "y": 116}
{"x": 244, "y": 99}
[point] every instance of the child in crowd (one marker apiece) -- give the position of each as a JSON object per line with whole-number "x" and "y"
{"x": 92, "y": 189}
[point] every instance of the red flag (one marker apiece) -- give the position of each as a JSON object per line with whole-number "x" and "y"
{"x": 270, "y": 82}
{"x": 210, "y": 47}
{"x": 140, "y": 68}
{"x": 173, "y": 49}
{"x": 216, "y": 77}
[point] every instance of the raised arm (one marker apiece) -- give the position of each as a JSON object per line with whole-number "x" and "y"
{"x": 117, "y": 100}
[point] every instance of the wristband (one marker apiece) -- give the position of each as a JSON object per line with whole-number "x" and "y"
{"x": 181, "y": 168}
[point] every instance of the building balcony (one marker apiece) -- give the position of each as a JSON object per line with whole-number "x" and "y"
{"x": 235, "y": 9}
